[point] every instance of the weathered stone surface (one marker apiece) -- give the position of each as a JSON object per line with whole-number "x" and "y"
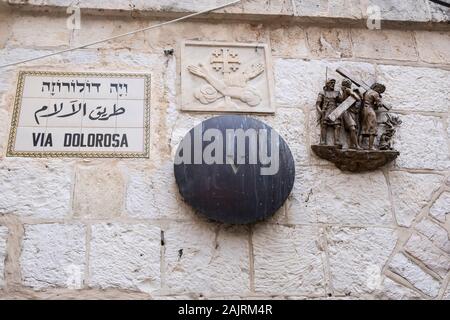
{"x": 394, "y": 291}
{"x": 287, "y": 260}
{"x": 447, "y": 293}
{"x": 382, "y": 44}
{"x": 438, "y": 235}
{"x": 328, "y": 8}
{"x": 297, "y": 206}
{"x": 289, "y": 42}
{"x": 3, "y": 239}
{"x": 406, "y": 88}
{"x": 441, "y": 208}
{"x": 291, "y": 124}
{"x": 51, "y": 252}
{"x": 404, "y": 10}
{"x": 297, "y": 82}
{"x": 439, "y": 13}
{"x": 4, "y": 128}
{"x": 421, "y": 248}
{"x": 411, "y": 192}
{"x": 405, "y": 268}
{"x": 357, "y": 256}
{"x": 5, "y": 26}
{"x": 433, "y": 47}
{"x": 204, "y": 257}
{"x": 422, "y": 143}
{"x": 333, "y": 196}
{"x": 152, "y": 193}
{"x": 52, "y": 32}
{"x": 355, "y": 160}
{"x": 35, "y": 188}
{"x": 99, "y": 191}
{"x": 333, "y": 43}
{"x": 125, "y": 256}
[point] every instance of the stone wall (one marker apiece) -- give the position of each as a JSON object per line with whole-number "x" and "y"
{"x": 111, "y": 228}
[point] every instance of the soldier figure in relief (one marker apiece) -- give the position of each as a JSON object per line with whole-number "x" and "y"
{"x": 351, "y": 115}
{"x": 371, "y": 103}
{"x": 326, "y": 102}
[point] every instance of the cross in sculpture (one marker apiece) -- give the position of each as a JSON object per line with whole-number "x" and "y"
{"x": 225, "y": 60}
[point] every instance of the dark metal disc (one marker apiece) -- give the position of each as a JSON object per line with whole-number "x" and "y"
{"x": 232, "y": 190}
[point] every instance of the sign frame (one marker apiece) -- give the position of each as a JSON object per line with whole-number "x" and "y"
{"x": 11, "y": 152}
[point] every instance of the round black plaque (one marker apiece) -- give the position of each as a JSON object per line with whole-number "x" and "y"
{"x": 228, "y": 170}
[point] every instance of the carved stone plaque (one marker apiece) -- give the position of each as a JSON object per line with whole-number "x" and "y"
{"x": 70, "y": 114}
{"x": 226, "y": 77}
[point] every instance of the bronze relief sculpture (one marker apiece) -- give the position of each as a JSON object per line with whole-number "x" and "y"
{"x": 369, "y": 141}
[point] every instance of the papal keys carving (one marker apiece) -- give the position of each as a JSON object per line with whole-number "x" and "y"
{"x": 360, "y": 115}
{"x": 226, "y": 77}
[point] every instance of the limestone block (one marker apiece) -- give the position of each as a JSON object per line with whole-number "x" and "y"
{"x": 422, "y": 143}
{"x": 403, "y": 10}
{"x": 357, "y": 257}
{"x": 437, "y": 234}
{"x": 333, "y": 43}
{"x": 408, "y": 270}
{"x": 287, "y": 260}
{"x": 205, "y": 258}
{"x": 272, "y": 7}
{"x": 411, "y": 192}
{"x": 289, "y": 42}
{"x": 394, "y": 291}
{"x": 125, "y": 256}
{"x": 291, "y": 124}
{"x": 421, "y": 248}
{"x": 99, "y": 191}
{"x": 4, "y": 130}
{"x": 51, "y": 32}
{"x": 441, "y": 208}
{"x": 35, "y": 188}
{"x": 153, "y": 193}
{"x": 5, "y": 27}
{"x": 53, "y": 255}
{"x": 93, "y": 28}
{"x": 349, "y": 9}
{"x": 298, "y": 82}
{"x": 433, "y": 47}
{"x": 331, "y": 196}
{"x": 384, "y": 44}
{"x": 3, "y": 239}
{"x": 416, "y": 89}
{"x": 439, "y": 13}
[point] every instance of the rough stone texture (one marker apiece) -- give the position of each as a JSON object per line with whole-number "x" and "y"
{"x": 289, "y": 42}
{"x": 202, "y": 257}
{"x": 441, "y": 208}
{"x": 328, "y": 8}
{"x": 33, "y": 188}
{"x": 437, "y": 234}
{"x": 51, "y": 33}
{"x": 336, "y": 197}
{"x": 439, "y": 13}
{"x": 357, "y": 256}
{"x": 405, "y": 268}
{"x": 394, "y": 291}
{"x": 422, "y": 249}
{"x": 3, "y": 242}
{"x": 50, "y": 251}
{"x": 287, "y": 260}
{"x": 411, "y": 193}
{"x": 433, "y": 47}
{"x": 153, "y": 193}
{"x": 447, "y": 293}
{"x": 405, "y": 10}
{"x": 4, "y": 127}
{"x": 381, "y": 44}
{"x": 99, "y": 191}
{"x": 297, "y": 81}
{"x": 334, "y": 43}
{"x": 125, "y": 256}
{"x": 422, "y": 143}
{"x": 406, "y": 88}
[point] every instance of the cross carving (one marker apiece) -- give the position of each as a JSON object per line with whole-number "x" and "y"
{"x": 225, "y": 60}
